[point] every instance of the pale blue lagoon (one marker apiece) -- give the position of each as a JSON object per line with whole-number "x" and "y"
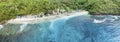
{"x": 83, "y": 28}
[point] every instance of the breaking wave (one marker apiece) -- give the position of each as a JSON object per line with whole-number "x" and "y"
{"x": 22, "y": 27}
{"x": 1, "y": 26}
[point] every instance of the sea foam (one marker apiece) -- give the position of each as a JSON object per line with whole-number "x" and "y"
{"x": 1, "y": 26}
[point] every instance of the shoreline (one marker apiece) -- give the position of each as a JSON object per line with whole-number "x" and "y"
{"x": 32, "y": 20}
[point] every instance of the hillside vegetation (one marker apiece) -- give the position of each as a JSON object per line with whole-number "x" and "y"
{"x": 12, "y": 8}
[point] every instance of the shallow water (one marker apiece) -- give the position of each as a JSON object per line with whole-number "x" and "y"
{"x": 83, "y": 28}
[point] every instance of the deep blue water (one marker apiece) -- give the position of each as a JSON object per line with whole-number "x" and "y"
{"x": 83, "y": 28}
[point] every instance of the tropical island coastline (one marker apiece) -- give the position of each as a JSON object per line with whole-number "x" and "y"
{"x": 35, "y": 18}
{"x": 59, "y": 20}
{"x": 10, "y": 9}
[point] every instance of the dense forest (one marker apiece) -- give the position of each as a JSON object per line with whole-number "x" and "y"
{"x": 12, "y": 8}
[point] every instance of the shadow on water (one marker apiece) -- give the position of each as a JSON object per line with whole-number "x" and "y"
{"x": 83, "y": 28}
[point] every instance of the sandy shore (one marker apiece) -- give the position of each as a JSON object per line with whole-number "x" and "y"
{"x": 45, "y": 18}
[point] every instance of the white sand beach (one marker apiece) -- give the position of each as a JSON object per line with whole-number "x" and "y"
{"x": 30, "y": 20}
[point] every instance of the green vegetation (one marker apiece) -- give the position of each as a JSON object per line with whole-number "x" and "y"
{"x": 106, "y": 7}
{"x": 12, "y": 8}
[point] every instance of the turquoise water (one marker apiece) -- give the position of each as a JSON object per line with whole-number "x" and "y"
{"x": 83, "y": 28}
